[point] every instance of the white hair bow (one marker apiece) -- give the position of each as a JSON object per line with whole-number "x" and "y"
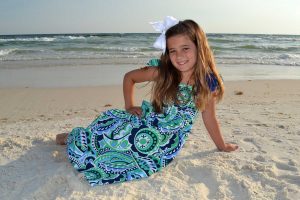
{"x": 162, "y": 27}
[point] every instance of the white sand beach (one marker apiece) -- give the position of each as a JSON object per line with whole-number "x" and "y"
{"x": 261, "y": 116}
{"x": 62, "y": 65}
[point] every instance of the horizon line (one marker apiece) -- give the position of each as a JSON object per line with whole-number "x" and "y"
{"x": 86, "y": 33}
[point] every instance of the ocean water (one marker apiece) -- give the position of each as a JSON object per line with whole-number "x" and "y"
{"x": 67, "y": 60}
{"x": 132, "y": 48}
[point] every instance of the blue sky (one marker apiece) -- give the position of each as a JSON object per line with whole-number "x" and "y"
{"x": 98, "y": 16}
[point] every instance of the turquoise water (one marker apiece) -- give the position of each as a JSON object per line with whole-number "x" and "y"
{"x": 133, "y": 48}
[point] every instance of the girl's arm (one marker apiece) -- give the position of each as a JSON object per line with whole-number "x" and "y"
{"x": 213, "y": 127}
{"x": 132, "y": 77}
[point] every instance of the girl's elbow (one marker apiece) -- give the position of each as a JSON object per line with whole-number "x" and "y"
{"x": 127, "y": 77}
{"x": 127, "y": 74}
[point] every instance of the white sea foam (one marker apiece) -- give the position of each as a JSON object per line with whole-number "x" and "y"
{"x": 5, "y": 52}
{"x": 35, "y": 39}
{"x": 228, "y": 48}
{"x": 77, "y": 37}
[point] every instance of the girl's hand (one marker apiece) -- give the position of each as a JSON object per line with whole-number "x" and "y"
{"x": 229, "y": 147}
{"x": 135, "y": 110}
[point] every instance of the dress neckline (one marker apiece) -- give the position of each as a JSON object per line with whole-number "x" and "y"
{"x": 185, "y": 84}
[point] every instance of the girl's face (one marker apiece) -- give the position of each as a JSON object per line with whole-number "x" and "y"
{"x": 183, "y": 54}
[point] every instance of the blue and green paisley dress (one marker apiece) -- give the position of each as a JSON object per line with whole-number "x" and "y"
{"x": 118, "y": 146}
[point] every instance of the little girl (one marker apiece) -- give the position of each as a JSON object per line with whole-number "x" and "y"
{"x": 123, "y": 145}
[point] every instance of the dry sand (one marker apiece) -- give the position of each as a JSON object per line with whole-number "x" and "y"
{"x": 262, "y": 117}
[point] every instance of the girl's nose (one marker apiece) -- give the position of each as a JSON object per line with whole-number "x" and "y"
{"x": 179, "y": 55}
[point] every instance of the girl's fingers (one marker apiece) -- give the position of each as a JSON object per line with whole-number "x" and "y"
{"x": 135, "y": 111}
{"x": 139, "y": 111}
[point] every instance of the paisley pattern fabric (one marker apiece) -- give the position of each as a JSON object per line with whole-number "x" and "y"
{"x": 118, "y": 146}
{"x": 153, "y": 63}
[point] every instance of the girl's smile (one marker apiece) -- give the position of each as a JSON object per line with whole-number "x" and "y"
{"x": 183, "y": 54}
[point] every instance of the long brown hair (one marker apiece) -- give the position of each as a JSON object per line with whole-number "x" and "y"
{"x": 166, "y": 85}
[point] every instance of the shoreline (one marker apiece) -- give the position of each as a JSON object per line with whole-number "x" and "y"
{"x": 112, "y": 74}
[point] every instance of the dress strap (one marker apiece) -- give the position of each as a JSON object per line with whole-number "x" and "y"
{"x": 212, "y": 82}
{"x": 154, "y": 62}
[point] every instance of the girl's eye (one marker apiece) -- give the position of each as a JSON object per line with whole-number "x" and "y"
{"x": 171, "y": 52}
{"x": 186, "y": 49}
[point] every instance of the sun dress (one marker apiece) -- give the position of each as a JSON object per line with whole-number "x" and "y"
{"x": 118, "y": 146}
